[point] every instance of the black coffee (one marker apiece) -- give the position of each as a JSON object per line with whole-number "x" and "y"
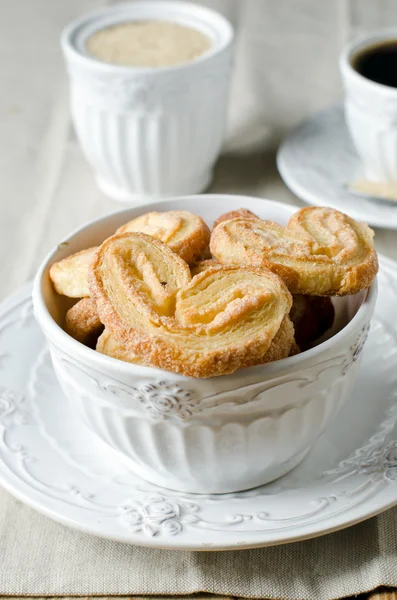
{"x": 378, "y": 63}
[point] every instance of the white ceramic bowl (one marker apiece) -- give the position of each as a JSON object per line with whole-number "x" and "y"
{"x": 150, "y": 131}
{"x": 205, "y": 435}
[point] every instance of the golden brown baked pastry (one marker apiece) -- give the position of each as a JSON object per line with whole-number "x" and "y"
{"x": 321, "y": 251}
{"x": 69, "y": 276}
{"x": 219, "y": 321}
{"x": 243, "y": 213}
{"x": 108, "y": 345}
{"x": 312, "y": 316}
{"x": 82, "y": 322}
{"x": 202, "y": 265}
{"x": 295, "y": 349}
{"x": 282, "y": 345}
{"x": 185, "y": 233}
{"x": 205, "y": 255}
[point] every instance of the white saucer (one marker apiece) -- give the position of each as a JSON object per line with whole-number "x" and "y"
{"x": 50, "y": 461}
{"x": 318, "y": 160}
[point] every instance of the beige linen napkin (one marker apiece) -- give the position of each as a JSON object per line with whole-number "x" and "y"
{"x": 40, "y": 557}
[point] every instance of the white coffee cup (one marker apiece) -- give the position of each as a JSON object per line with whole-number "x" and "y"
{"x": 147, "y": 131}
{"x": 371, "y": 112}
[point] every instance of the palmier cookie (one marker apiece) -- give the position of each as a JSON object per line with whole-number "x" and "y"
{"x": 82, "y": 322}
{"x": 243, "y": 213}
{"x": 69, "y": 276}
{"x": 217, "y": 322}
{"x": 321, "y": 251}
{"x": 301, "y": 313}
{"x": 184, "y": 232}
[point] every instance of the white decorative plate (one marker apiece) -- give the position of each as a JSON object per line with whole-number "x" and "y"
{"x": 318, "y": 160}
{"x": 50, "y": 461}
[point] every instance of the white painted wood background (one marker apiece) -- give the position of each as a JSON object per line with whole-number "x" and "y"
{"x": 286, "y": 69}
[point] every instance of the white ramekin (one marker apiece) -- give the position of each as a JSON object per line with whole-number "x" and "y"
{"x": 150, "y": 131}
{"x": 371, "y": 112}
{"x": 204, "y": 435}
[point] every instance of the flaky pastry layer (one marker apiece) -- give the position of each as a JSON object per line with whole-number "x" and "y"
{"x": 283, "y": 345}
{"x": 321, "y": 251}
{"x": 219, "y": 321}
{"x": 108, "y": 345}
{"x": 69, "y": 276}
{"x": 184, "y": 232}
{"x": 82, "y": 322}
{"x": 202, "y": 265}
{"x": 242, "y": 213}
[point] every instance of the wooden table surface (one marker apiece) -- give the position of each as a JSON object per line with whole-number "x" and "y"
{"x": 47, "y": 187}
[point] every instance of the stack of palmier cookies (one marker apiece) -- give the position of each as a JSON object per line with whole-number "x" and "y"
{"x": 165, "y": 292}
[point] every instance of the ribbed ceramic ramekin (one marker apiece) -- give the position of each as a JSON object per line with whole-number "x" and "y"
{"x": 150, "y": 131}
{"x": 205, "y": 435}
